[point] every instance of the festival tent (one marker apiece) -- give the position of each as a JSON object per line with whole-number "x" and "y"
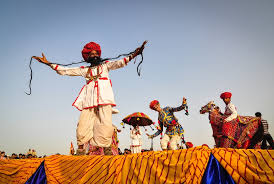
{"x": 194, "y": 165}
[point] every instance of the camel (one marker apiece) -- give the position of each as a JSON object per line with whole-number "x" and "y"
{"x": 243, "y": 132}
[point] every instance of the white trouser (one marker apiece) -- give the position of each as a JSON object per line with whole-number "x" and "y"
{"x": 136, "y": 149}
{"x": 173, "y": 141}
{"x": 95, "y": 126}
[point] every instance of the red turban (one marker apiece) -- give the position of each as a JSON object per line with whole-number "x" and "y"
{"x": 225, "y": 95}
{"x": 153, "y": 103}
{"x": 189, "y": 144}
{"x": 90, "y": 47}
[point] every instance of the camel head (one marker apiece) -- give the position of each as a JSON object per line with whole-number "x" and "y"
{"x": 208, "y": 107}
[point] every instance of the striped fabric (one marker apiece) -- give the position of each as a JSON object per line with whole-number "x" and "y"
{"x": 246, "y": 165}
{"x": 179, "y": 166}
{"x": 18, "y": 171}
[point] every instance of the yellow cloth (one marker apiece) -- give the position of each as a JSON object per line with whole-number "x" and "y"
{"x": 178, "y": 166}
{"x": 246, "y": 165}
{"x": 18, "y": 171}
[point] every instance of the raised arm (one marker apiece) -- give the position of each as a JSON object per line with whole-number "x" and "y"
{"x": 113, "y": 65}
{"x": 123, "y": 62}
{"x": 77, "y": 71}
{"x": 176, "y": 109}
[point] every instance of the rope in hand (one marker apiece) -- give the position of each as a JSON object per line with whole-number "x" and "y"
{"x": 30, "y": 62}
{"x": 73, "y": 63}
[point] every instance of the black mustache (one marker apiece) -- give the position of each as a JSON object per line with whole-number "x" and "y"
{"x": 94, "y": 61}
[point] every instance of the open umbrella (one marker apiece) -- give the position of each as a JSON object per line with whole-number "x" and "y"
{"x": 138, "y": 118}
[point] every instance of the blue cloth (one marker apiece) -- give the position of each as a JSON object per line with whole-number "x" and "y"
{"x": 39, "y": 177}
{"x": 215, "y": 173}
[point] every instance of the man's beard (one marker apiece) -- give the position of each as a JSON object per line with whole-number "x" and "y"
{"x": 94, "y": 61}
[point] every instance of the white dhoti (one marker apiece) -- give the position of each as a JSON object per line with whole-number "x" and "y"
{"x": 95, "y": 126}
{"x": 173, "y": 141}
{"x": 136, "y": 148}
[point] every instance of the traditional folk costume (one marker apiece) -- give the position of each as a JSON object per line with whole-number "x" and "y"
{"x": 230, "y": 122}
{"x": 230, "y": 112}
{"x": 136, "y": 140}
{"x": 96, "y": 150}
{"x": 95, "y": 99}
{"x": 174, "y": 130}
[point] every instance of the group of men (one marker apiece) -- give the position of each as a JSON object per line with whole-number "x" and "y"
{"x": 96, "y": 99}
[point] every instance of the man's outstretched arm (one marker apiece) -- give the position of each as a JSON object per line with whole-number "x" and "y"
{"x": 176, "y": 109}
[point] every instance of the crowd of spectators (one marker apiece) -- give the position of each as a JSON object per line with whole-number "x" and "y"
{"x": 128, "y": 151}
{"x": 30, "y": 154}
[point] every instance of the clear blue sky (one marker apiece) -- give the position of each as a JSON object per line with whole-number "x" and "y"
{"x": 196, "y": 49}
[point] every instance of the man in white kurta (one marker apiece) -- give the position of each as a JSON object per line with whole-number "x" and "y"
{"x": 230, "y": 109}
{"x": 136, "y": 140}
{"x": 231, "y": 112}
{"x": 229, "y": 124}
{"x": 95, "y": 99}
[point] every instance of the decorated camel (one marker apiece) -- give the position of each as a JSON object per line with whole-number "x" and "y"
{"x": 246, "y": 130}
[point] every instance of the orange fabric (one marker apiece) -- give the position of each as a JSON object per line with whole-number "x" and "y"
{"x": 18, "y": 171}
{"x": 179, "y": 166}
{"x": 246, "y": 165}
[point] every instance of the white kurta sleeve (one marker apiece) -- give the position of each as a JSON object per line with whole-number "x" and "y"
{"x": 113, "y": 65}
{"x": 77, "y": 71}
{"x": 233, "y": 114}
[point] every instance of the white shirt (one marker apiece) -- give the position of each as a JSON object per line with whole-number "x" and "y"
{"x": 231, "y": 112}
{"x": 136, "y": 139}
{"x": 98, "y": 90}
